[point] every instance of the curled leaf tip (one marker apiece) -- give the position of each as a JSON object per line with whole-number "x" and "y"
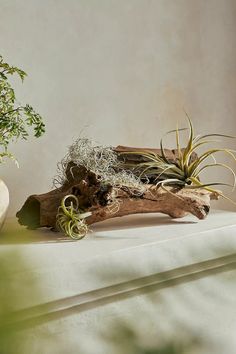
{"x": 70, "y": 218}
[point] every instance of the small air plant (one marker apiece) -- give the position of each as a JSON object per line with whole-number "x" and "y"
{"x": 184, "y": 172}
{"x": 70, "y": 219}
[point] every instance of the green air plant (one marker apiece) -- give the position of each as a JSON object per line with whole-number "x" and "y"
{"x": 14, "y": 118}
{"x": 184, "y": 172}
{"x": 70, "y": 219}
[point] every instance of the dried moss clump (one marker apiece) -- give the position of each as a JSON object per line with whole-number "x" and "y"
{"x": 101, "y": 160}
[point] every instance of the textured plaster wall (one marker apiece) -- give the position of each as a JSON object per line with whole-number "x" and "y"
{"x": 119, "y": 70}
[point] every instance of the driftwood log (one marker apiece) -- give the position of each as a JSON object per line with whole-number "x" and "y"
{"x": 105, "y": 201}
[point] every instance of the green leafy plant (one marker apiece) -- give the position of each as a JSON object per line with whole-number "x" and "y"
{"x": 14, "y": 117}
{"x": 70, "y": 219}
{"x": 185, "y": 171}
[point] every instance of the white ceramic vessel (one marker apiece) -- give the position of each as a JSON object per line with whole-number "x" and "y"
{"x": 4, "y": 202}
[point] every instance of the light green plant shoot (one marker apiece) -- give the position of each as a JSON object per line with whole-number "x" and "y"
{"x": 185, "y": 171}
{"x": 70, "y": 219}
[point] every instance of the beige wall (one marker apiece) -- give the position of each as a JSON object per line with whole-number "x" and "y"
{"x": 121, "y": 70}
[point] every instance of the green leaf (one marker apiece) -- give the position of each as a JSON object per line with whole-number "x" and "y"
{"x": 15, "y": 119}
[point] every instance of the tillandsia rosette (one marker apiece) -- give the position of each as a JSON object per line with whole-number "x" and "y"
{"x": 70, "y": 218}
{"x": 184, "y": 172}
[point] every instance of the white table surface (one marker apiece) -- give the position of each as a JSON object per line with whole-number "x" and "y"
{"x": 124, "y": 249}
{"x": 75, "y": 276}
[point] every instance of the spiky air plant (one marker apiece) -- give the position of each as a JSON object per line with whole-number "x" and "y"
{"x": 70, "y": 219}
{"x": 184, "y": 172}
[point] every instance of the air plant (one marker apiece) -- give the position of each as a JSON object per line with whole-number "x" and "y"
{"x": 70, "y": 219}
{"x": 184, "y": 172}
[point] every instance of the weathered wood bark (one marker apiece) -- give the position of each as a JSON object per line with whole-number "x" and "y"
{"x": 106, "y": 202}
{"x": 134, "y": 161}
{"x": 176, "y": 204}
{"x": 171, "y": 154}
